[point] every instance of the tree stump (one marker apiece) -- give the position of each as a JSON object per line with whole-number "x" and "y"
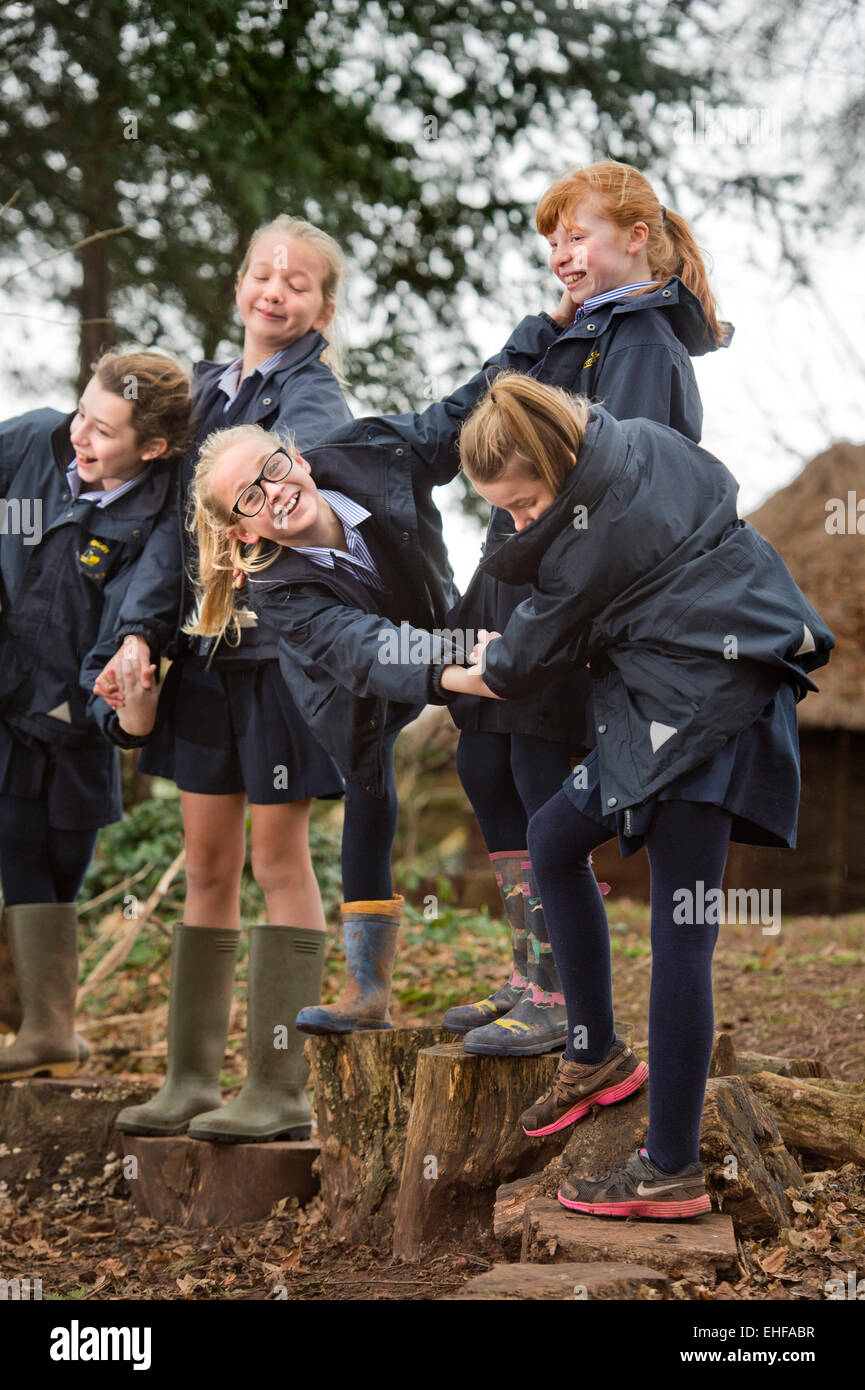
{"x": 464, "y": 1139}
{"x": 564, "y": 1281}
{"x": 701, "y": 1249}
{"x": 58, "y": 1131}
{"x": 364, "y": 1083}
{"x": 825, "y": 1118}
{"x": 748, "y": 1062}
{"x": 189, "y": 1182}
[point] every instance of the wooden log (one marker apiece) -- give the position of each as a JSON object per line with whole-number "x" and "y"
{"x": 748, "y": 1169}
{"x": 464, "y": 1139}
{"x": 61, "y": 1131}
{"x": 701, "y": 1249}
{"x": 189, "y": 1182}
{"x": 826, "y": 1118}
{"x": 748, "y": 1062}
{"x": 565, "y": 1281}
{"x": 723, "y": 1061}
{"x": 363, "y": 1084}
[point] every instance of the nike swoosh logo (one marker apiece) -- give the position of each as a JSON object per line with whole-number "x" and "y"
{"x": 643, "y": 1191}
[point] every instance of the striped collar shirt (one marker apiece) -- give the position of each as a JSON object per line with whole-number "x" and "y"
{"x": 351, "y": 514}
{"x": 597, "y": 300}
{"x": 103, "y": 499}
{"x": 229, "y": 382}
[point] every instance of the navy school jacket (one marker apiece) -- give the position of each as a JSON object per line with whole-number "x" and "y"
{"x": 302, "y": 395}
{"x": 61, "y": 597}
{"x": 334, "y": 630}
{"x": 634, "y": 357}
{"x": 689, "y": 619}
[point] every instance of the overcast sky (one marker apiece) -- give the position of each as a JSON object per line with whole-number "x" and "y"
{"x": 793, "y": 379}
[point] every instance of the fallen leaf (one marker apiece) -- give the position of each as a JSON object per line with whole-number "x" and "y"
{"x": 775, "y": 1260}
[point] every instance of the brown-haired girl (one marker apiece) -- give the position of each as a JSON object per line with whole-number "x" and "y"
{"x": 699, "y": 646}
{"x": 82, "y": 494}
{"x": 642, "y": 308}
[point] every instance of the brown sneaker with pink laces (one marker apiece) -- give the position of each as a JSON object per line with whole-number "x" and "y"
{"x": 577, "y": 1087}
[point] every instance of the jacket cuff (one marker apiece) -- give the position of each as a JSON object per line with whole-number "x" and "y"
{"x": 113, "y": 729}
{"x": 548, "y": 318}
{"x": 435, "y": 694}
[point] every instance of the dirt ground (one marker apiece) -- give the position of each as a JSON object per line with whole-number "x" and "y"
{"x": 798, "y": 994}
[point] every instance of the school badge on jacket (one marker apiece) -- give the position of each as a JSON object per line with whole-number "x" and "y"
{"x": 94, "y": 558}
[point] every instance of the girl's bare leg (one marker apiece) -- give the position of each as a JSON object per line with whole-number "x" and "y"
{"x": 282, "y": 865}
{"x": 215, "y": 855}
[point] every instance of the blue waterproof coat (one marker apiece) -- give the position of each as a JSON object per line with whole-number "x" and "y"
{"x": 333, "y": 629}
{"x": 689, "y": 619}
{"x": 633, "y": 356}
{"x": 302, "y": 395}
{"x": 61, "y": 597}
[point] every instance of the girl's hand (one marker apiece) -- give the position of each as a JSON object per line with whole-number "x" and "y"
{"x": 564, "y": 312}
{"x": 484, "y": 639}
{"x": 139, "y": 695}
{"x": 106, "y": 684}
{"x": 464, "y": 681}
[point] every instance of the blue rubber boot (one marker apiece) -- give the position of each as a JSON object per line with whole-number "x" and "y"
{"x": 370, "y": 930}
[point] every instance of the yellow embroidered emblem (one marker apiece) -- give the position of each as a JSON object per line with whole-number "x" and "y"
{"x": 94, "y": 553}
{"x": 590, "y": 360}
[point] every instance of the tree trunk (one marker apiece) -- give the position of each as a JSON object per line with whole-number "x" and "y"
{"x": 364, "y": 1083}
{"x": 464, "y": 1139}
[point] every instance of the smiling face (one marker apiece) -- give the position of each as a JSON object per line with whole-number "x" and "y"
{"x": 291, "y": 513}
{"x": 593, "y": 255}
{"x": 107, "y": 450}
{"x": 519, "y": 492}
{"x": 279, "y": 297}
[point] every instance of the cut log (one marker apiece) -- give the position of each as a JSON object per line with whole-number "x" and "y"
{"x": 723, "y": 1061}
{"x": 748, "y": 1169}
{"x": 363, "y": 1085}
{"x": 748, "y": 1062}
{"x": 464, "y": 1139}
{"x": 749, "y": 1172}
{"x": 701, "y": 1249}
{"x": 565, "y": 1281}
{"x": 826, "y": 1118}
{"x": 188, "y": 1182}
{"x": 57, "y": 1132}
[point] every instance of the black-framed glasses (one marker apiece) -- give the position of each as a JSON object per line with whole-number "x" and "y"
{"x": 276, "y": 466}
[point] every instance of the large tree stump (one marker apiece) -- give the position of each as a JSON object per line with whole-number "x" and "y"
{"x": 363, "y": 1085}
{"x": 748, "y": 1169}
{"x": 61, "y": 1131}
{"x": 701, "y": 1249}
{"x": 564, "y": 1281}
{"x": 826, "y": 1118}
{"x": 464, "y": 1139}
{"x": 189, "y": 1182}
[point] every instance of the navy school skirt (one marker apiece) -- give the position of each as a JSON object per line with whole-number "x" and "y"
{"x": 78, "y": 783}
{"x": 236, "y": 729}
{"x": 755, "y": 776}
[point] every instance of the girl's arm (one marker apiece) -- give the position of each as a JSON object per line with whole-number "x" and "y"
{"x": 364, "y": 652}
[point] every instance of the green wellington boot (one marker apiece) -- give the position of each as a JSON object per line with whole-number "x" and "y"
{"x": 538, "y": 1022}
{"x": 286, "y": 966}
{"x": 43, "y": 938}
{"x": 10, "y": 1004}
{"x": 370, "y": 929}
{"x": 202, "y": 977}
{"x": 507, "y": 866}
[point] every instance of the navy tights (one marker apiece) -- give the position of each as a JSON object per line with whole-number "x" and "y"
{"x": 367, "y": 837}
{"x": 39, "y": 864}
{"x": 507, "y": 777}
{"x": 686, "y": 842}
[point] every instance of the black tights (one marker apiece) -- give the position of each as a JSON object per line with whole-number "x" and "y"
{"x": 687, "y": 843}
{"x": 38, "y": 863}
{"x": 367, "y": 837}
{"x": 507, "y": 777}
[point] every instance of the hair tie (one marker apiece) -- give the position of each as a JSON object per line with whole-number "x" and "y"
{"x": 663, "y": 212}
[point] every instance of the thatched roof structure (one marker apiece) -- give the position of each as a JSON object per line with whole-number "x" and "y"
{"x": 830, "y": 569}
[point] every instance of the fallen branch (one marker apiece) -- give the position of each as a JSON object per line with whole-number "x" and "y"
{"x": 120, "y": 950}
